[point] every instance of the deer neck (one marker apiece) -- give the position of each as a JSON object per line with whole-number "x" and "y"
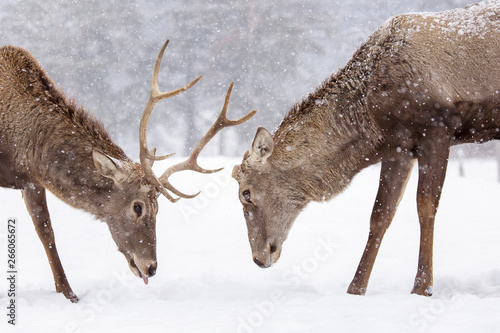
{"x": 77, "y": 185}
{"x": 66, "y": 168}
{"x": 326, "y": 140}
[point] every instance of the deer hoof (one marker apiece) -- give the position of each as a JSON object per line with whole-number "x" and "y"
{"x": 72, "y": 297}
{"x": 422, "y": 290}
{"x": 355, "y": 290}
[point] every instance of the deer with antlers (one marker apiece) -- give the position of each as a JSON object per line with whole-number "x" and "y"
{"x": 46, "y": 142}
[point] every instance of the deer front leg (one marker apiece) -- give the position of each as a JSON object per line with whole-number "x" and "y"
{"x": 36, "y": 203}
{"x": 432, "y": 171}
{"x": 394, "y": 176}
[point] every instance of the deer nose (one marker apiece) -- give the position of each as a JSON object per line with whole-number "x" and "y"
{"x": 152, "y": 269}
{"x": 259, "y": 263}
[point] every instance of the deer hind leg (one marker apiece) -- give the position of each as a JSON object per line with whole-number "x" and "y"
{"x": 394, "y": 176}
{"x": 36, "y": 203}
{"x": 432, "y": 164}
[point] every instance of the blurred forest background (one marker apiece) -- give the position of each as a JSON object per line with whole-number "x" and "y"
{"x": 102, "y": 52}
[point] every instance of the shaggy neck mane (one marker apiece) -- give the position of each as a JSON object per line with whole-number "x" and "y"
{"x": 65, "y": 135}
{"x": 42, "y": 94}
{"x": 342, "y": 96}
{"x": 330, "y": 135}
{"x": 82, "y": 120}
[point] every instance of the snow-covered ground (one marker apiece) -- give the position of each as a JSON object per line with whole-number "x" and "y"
{"x": 207, "y": 282}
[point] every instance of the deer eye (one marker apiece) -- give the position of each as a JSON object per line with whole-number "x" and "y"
{"x": 138, "y": 209}
{"x": 246, "y": 195}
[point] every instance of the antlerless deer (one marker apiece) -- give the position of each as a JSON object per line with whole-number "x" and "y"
{"x": 46, "y": 142}
{"x": 420, "y": 84}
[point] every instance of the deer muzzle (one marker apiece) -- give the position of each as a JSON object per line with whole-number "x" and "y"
{"x": 267, "y": 256}
{"x": 143, "y": 268}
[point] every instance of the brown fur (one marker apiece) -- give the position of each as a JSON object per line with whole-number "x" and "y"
{"x": 420, "y": 84}
{"x": 47, "y": 142}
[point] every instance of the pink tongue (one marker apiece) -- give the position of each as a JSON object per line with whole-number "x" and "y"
{"x": 145, "y": 279}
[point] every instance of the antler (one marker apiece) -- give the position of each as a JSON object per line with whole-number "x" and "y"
{"x": 191, "y": 163}
{"x": 155, "y": 96}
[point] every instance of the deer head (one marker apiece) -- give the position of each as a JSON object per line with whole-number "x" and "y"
{"x": 270, "y": 201}
{"x": 132, "y": 228}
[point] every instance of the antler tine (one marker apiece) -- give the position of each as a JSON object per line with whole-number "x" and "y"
{"x": 155, "y": 96}
{"x": 191, "y": 163}
{"x": 158, "y": 95}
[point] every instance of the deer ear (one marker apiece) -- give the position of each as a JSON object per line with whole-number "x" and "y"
{"x": 236, "y": 172}
{"x": 108, "y": 166}
{"x": 262, "y": 146}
